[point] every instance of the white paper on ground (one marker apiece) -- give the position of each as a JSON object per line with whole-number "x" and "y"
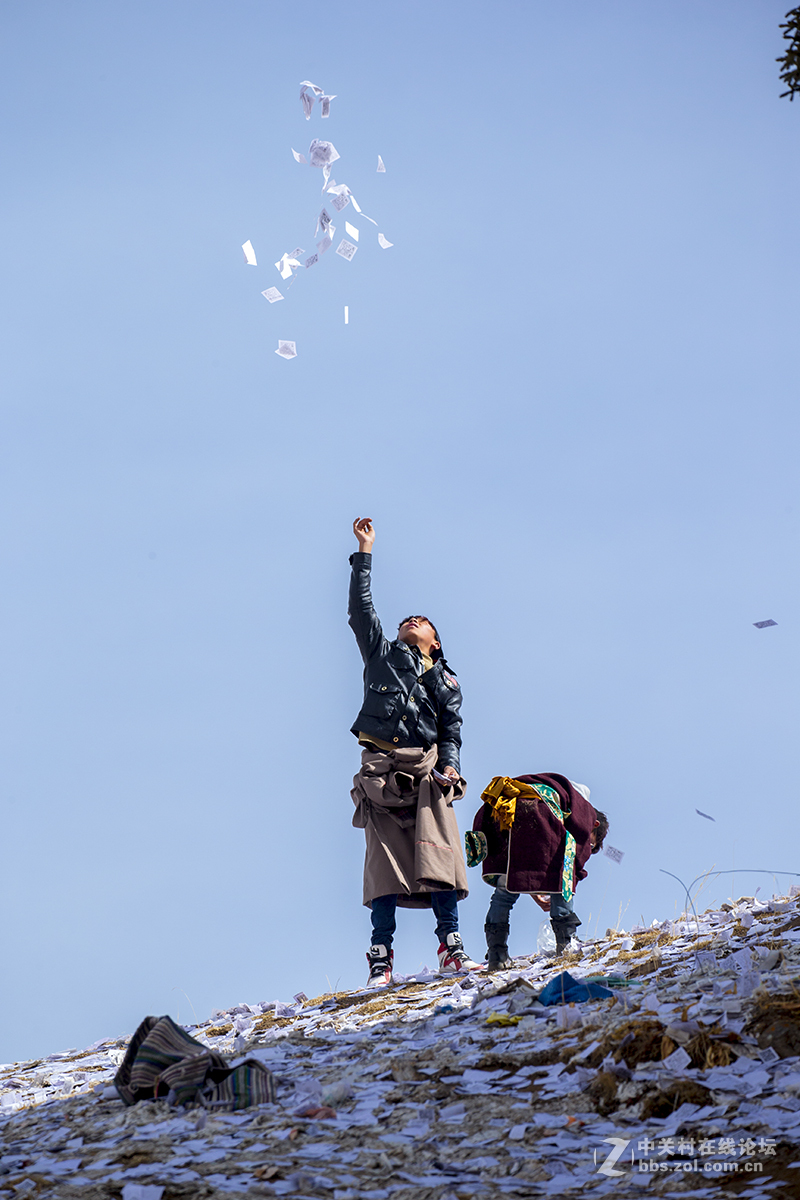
{"x": 287, "y": 349}
{"x": 346, "y": 249}
{"x": 272, "y": 294}
{"x": 351, "y": 229}
{"x": 142, "y": 1191}
{"x": 678, "y": 1060}
{"x": 383, "y": 242}
{"x": 301, "y": 158}
{"x": 249, "y": 254}
{"x": 381, "y": 167}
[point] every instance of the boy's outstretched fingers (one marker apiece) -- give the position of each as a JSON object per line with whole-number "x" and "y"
{"x": 364, "y": 531}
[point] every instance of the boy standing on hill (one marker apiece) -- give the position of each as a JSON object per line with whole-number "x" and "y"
{"x": 409, "y": 728}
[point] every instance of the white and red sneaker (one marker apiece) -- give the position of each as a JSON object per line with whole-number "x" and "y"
{"x": 380, "y": 966}
{"x": 453, "y": 956}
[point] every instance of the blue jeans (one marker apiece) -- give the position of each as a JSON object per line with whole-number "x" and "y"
{"x": 445, "y": 909}
{"x": 502, "y": 902}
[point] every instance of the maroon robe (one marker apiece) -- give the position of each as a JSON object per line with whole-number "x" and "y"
{"x": 531, "y": 853}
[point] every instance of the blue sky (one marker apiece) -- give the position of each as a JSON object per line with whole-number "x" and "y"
{"x": 567, "y": 396}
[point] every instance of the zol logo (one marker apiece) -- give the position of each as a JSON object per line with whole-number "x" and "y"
{"x": 618, "y": 1146}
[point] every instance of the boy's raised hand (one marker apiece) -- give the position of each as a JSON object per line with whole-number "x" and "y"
{"x": 365, "y": 533}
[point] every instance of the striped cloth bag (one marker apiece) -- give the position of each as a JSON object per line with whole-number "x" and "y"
{"x": 163, "y": 1061}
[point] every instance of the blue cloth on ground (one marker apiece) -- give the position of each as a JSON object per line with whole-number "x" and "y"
{"x": 566, "y": 990}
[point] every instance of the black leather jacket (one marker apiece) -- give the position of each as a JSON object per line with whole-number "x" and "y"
{"x": 403, "y": 703}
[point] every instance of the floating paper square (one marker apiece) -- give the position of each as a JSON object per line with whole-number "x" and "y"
{"x": 323, "y": 222}
{"x": 249, "y": 254}
{"x": 322, "y": 154}
{"x": 351, "y": 229}
{"x": 614, "y": 854}
{"x": 383, "y": 242}
{"x": 325, "y": 105}
{"x": 347, "y": 314}
{"x": 764, "y": 624}
{"x": 346, "y": 249}
{"x": 312, "y": 258}
{"x": 301, "y": 158}
{"x": 272, "y": 294}
{"x": 702, "y": 814}
{"x": 381, "y": 167}
{"x": 340, "y": 202}
{"x": 287, "y": 349}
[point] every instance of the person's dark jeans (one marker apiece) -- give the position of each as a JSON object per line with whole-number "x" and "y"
{"x": 445, "y": 909}
{"x": 502, "y": 902}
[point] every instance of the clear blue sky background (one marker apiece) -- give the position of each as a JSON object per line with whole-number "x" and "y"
{"x": 567, "y": 396}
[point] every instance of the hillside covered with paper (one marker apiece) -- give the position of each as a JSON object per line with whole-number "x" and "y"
{"x": 684, "y": 1077}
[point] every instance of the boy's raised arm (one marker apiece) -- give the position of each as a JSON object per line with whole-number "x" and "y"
{"x": 362, "y": 618}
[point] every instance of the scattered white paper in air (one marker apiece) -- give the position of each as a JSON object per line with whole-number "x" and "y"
{"x": 702, "y": 814}
{"x": 614, "y": 854}
{"x": 381, "y": 167}
{"x": 287, "y": 349}
{"x": 272, "y": 294}
{"x": 323, "y": 222}
{"x": 287, "y": 263}
{"x": 312, "y": 258}
{"x": 758, "y": 624}
{"x": 359, "y": 210}
{"x": 249, "y": 254}
{"x": 327, "y": 241}
{"x": 340, "y": 202}
{"x": 346, "y": 249}
{"x": 306, "y": 100}
{"x": 325, "y": 105}
{"x": 383, "y": 242}
{"x": 351, "y": 229}
{"x": 322, "y": 154}
{"x": 347, "y": 314}
{"x": 301, "y": 158}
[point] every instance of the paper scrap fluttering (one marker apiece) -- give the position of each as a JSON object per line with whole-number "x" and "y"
{"x": 287, "y": 263}
{"x": 702, "y": 814}
{"x": 614, "y": 854}
{"x": 346, "y": 249}
{"x": 321, "y": 154}
{"x": 764, "y": 624}
{"x": 346, "y": 314}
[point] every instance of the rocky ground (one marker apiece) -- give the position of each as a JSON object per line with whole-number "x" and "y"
{"x": 688, "y": 1078}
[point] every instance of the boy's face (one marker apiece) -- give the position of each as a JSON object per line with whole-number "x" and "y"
{"x": 418, "y": 631}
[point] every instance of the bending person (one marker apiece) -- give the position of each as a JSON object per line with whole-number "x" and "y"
{"x": 533, "y": 835}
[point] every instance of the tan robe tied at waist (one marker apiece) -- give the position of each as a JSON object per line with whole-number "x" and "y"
{"x": 413, "y": 844}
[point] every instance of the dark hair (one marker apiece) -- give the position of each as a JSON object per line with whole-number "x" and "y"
{"x": 419, "y": 617}
{"x": 600, "y": 832}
